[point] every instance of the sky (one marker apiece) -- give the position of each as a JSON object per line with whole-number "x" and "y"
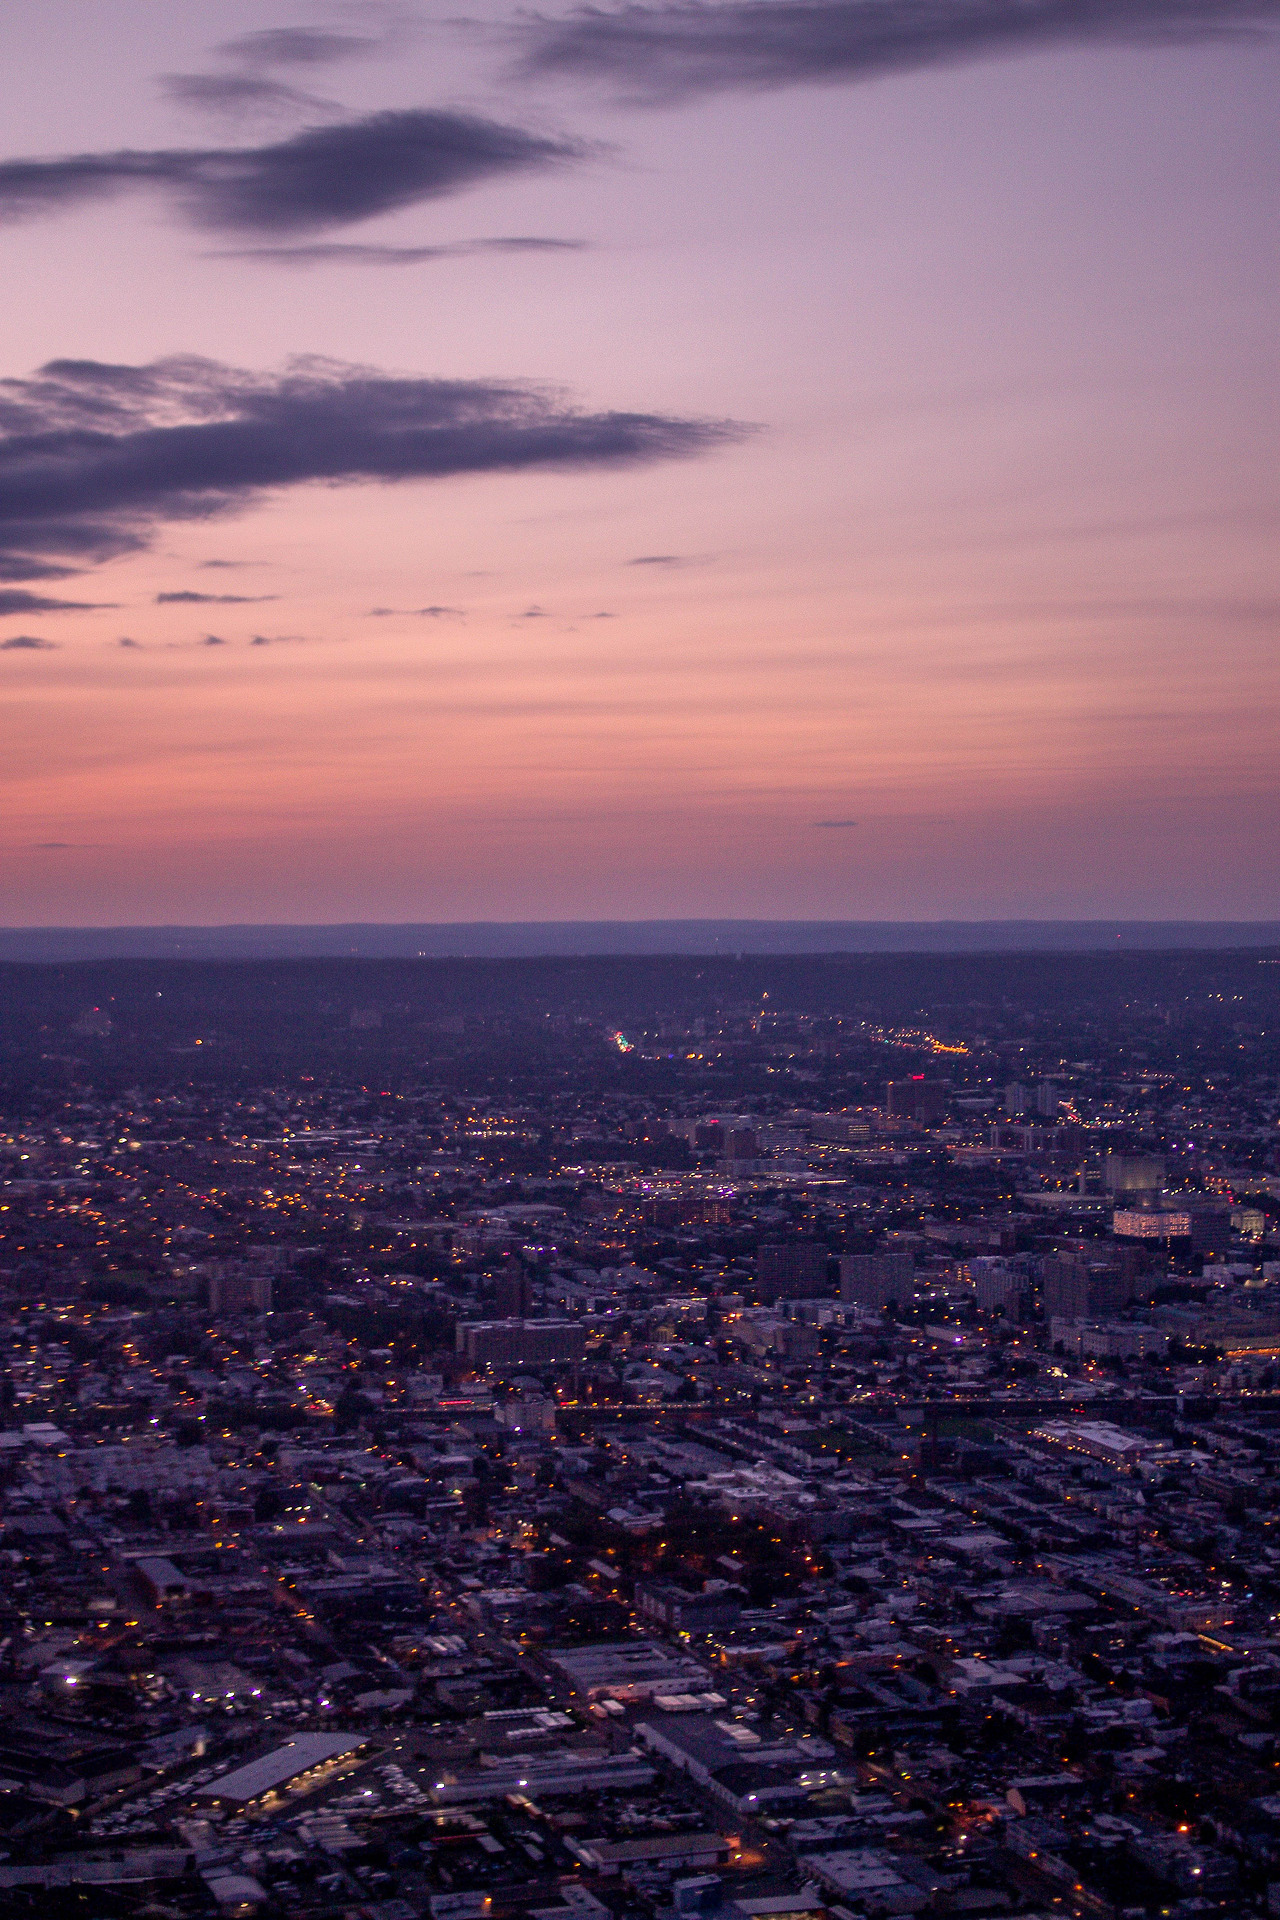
{"x": 767, "y": 458}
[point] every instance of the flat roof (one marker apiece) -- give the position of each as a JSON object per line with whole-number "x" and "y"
{"x": 652, "y": 1847}
{"x": 621, "y": 1660}
{"x": 284, "y": 1763}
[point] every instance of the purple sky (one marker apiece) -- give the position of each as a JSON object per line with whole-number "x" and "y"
{"x": 766, "y": 459}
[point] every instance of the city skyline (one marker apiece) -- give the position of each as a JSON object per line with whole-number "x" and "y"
{"x": 764, "y": 461}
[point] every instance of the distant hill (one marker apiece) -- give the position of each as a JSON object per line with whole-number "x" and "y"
{"x": 502, "y": 940}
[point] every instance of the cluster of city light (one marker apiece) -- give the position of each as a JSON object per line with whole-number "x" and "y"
{"x": 914, "y": 1039}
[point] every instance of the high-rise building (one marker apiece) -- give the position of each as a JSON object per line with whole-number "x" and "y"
{"x": 1210, "y": 1228}
{"x": 996, "y": 1285}
{"x": 513, "y": 1293}
{"x": 1134, "y": 1173}
{"x": 686, "y": 1210}
{"x": 791, "y": 1270}
{"x": 1047, "y": 1101}
{"x": 1075, "y": 1288}
{"x": 239, "y": 1292}
{"x": 500, "y": 1344}
{"x": 876, "y": 1279}
{"x": 1015, "y": 1098}
{"x": 918, "y": 1099}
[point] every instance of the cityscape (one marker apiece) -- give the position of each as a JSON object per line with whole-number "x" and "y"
{"x": 639, "y": 960}
{"x": 614, "y": 1439}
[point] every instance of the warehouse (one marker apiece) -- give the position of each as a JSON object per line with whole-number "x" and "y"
{"x": 306, "y": 1759}
{"x": 692, "y": 1852}
{"x": 633, "y": 1669}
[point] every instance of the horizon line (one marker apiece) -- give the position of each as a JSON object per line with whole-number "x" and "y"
{"x": 620, "y": 939}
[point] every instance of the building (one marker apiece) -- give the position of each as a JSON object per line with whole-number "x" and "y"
{"x": 1210, "y": 1229}
{"x": 511, "y": 1344}
{"x": 669, "y": 1851}
{"x": 997, "y": 1287}
{"x": 239, "y": 1292}
{"x": 795, "y": 1269}
{"x": 513, "y": 1293}
{"x": 750, "y": 1775}
{"x": 846, "y": 1127}
{"x": 1019, "y": 1138}
{"x": 527, "y": 1413}
{"x": 1074, "y": 1288}
{"x": 918, "y": 1099}
{"x": 876, "y": 1279}
{"x": 1133, "y": 1173}
{"x": 543, "y": 1774}
{"x": 1118, "y": 1340}
{"x": 1151, "y": 1223}
{"x": 161, "y": 1580}
{"x": 307, "y": 1759}
{"x": 1100, "y": 1440}
{"x": 625, "y": 1670}
{"x": 680, "y": 1612}
{"x": 869, "y": 1878}
{"x": 685, "y": 1210}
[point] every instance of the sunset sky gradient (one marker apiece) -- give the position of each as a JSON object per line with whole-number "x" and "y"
{"x": 761, "y": 459}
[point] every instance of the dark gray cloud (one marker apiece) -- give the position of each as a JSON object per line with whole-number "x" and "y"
{"x": 328, "y": 176}
{"x": 93, "y": 456}
{"x": 25, "y": 643}
{"x": 299, "y": 47}
{"x": 681, "y": 49}
{"x": 340, "y": 253}
{"x": 26, "y": 567}
{"x": 16, "y": 600}
{"x": 246, "y": 87}
{"x": 239, "y": 96}
{"x": 189, "y": 599}
{"x": 416, "y": 613}
{"x": 657, "y": 560}
{"x": 835, "y": 823}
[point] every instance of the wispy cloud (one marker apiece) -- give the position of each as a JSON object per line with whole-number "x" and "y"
{"x": 835, "y": 823}
{"x": 682, "y": 49}
{"x": 31, "y": 569}
{"x": 323, "y": 177}
{"x": 26, "y": 643}
{"x": 18, "y": 600}
{"x": 94, "y": 456}
{"x": 189, "y": 599}
{"x": 416, "y": 613}
{"x": 308, "y": 46}
{"x": 353, "y": 254}
{"x": 240, "y": 96}
{"x": 245, "y": 85}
